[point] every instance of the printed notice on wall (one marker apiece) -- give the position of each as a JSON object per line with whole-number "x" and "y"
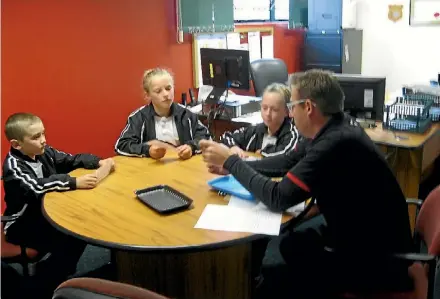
{"x": 368, "y": 98}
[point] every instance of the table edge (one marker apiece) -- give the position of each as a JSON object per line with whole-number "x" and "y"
{"x": 161, "y": 249}
{"x": 409, "y": 147}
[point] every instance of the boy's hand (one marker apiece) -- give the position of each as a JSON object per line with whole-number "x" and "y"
{"x": 161, "y": 144}
{"x": 184, "y": 152}
{"x": 106, "y": 167}
{"x": 87, "y": 181}
{"x": 110, "y": 162}
{"x": 157, "y": 152}
{"x": 235, "y": 150}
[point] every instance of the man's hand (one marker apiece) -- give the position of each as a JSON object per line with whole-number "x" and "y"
{"x": 235, "y": 150}
{"x": 184, "y": 152}
{"x": 88, "y": 181}
{"x": 217, "y": 169}
{"x": 214, "y": 153}
{"x": 157, "y": 152}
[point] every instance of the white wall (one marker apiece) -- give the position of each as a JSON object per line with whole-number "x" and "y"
{"x": 402, "y": 53}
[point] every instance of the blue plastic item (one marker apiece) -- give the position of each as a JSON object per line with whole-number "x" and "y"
{"x": 228, "y": 184}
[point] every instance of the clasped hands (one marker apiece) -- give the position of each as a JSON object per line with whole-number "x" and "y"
{"x": 158, "y": 149}
{"x": 90, "y": 181}
{"x": 215, "y": 154}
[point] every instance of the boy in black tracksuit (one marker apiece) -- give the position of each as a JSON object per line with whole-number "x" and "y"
{"x": 30, "y": 170}
{"x": 276, "y": 135}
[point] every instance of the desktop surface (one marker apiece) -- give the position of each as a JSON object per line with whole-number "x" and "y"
{"x": 110, "y": 215}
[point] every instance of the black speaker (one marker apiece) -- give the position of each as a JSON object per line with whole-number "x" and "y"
{"x": 183, "y": 99}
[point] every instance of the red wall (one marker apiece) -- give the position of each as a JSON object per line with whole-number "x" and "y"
{"x": 78, "y": 64}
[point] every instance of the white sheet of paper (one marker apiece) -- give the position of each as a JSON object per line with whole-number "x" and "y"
{"x": 254, "y": 46}
{"x": 267, "y": 46}
{"x": 244, "y": 47}
{"x": 368, "y": 98}
{"x": 236, "y": 219}
{"x": 295, "y": 210}
{"x": 204, "y": 91}
{"x": 251, "y": 158}
{"x": 251, "y": 118}
{"x": 250, "y": 204}
{"x": 196, "y": 108}
{"x": 233, "y": 41}
{"x": 242, "y": 203}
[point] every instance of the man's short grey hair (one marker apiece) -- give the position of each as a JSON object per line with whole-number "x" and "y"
{"x": 321, "y": 87}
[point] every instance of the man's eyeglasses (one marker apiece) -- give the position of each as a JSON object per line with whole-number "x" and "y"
{"x": 292, "y": 104}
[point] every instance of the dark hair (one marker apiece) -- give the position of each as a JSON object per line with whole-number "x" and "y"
{"x": 322, "y": 88}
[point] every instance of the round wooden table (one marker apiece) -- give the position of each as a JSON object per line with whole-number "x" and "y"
{"x": 162, "y": 253}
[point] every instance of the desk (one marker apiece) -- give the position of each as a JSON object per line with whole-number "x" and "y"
{"x": 410, "y": 157}
{"x": 162, "y": 253}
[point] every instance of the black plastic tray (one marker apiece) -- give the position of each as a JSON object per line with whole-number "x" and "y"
{"x": 163, "y": 199}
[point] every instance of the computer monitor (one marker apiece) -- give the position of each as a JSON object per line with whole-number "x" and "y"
{"x": 364, "y": 96}
{"x": 224, "y": 69}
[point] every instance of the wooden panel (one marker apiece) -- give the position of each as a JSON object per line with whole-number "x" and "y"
{"x": 409, "y": 172}
{"x": 431, "y": 151}
{"x": 217, "y": 274}
{"x": 409, "y": 158}
{"x": 405, "y": 164}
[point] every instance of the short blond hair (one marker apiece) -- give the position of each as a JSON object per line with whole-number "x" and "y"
{"x": 151, "y": 73}
{"x": 17, "y": 125}
{"x": 280, "y": 89}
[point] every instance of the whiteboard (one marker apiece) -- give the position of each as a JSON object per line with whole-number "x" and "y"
{"x": 229, "y": 40}
{"x": 425, "y": 12}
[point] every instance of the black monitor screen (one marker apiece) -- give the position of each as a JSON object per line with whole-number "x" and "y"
{"x": 223, "y": 68}
{"x": 364, "y": 96}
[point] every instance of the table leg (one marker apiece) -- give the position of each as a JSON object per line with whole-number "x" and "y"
{"x": 221, "y": 273}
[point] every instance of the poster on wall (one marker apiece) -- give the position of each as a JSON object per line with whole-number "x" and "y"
{"x": 424, "y": 12}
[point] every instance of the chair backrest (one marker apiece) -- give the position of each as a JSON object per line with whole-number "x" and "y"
{"x": 94, "y": 288}
{"x": 428, "y": 222}
{"x": 267, "y": 71}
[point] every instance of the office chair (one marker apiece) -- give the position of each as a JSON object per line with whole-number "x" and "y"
{"x": 12, "y": 253}
{"x": 423, "y": 269}
{"x": 94, "y": 288}
{"x": 267, "y": 71}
